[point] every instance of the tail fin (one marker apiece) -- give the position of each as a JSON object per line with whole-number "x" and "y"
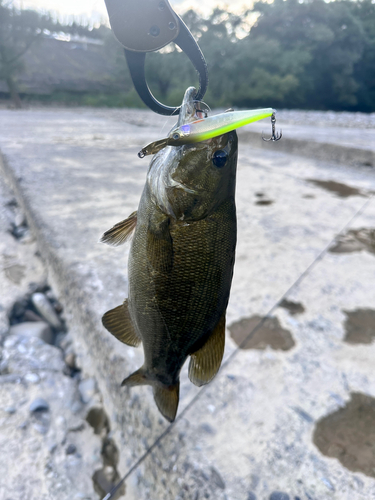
{"x": 166, "y": 396}
{"x": 166, "y": 399}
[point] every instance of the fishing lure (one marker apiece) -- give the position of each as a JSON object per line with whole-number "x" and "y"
{"x": 207, "y": 128}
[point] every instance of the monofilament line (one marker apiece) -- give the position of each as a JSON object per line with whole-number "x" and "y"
{"x": 236, "y": 350}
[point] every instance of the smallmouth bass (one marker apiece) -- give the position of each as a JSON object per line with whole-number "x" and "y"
{"x": 180, "y": 264}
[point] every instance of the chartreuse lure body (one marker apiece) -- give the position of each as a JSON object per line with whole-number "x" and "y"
{"x": 207, "y": 128}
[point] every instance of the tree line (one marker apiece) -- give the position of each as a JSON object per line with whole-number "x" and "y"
{"x": 305, "y": 54}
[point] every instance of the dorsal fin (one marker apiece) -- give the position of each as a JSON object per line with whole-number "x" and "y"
{"x": 120, "y": 232}
{"x": 205, "y": 363}
{"x": 117, "y": 321}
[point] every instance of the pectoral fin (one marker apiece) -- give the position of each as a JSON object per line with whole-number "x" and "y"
{"x": 117, "y": 321}
{"x": 120, "y": 232}
{"x": 166, "y": 399}
{"x": 205, "y": 363}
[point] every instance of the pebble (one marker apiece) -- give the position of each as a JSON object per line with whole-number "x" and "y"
{"x": 20, "y": 220}
{"x": 19, "y": 308}
{"x": 45, "y": 308}
{"x": 65, "y": 340}
{"x": 71, "y": 448}
{"x": 217, "y": 479}
{"x": 70, "y": 359}
{"x": 87, "y": 389}
{"x": 39, "y": 404}
{"x": 76, "y": 407}
{"x": 251, "y": 496}
{"x": 31, "y": 316}
{"x": 207, "y": 428}
{"x": 10, "y": 378}
{"x": 60, "y": 339}
{"x": 279, "y": 495}
{"x": 10, "y": 410}
{"x": 33, "y": 378}
{"x": 36, "y": 329}
{"x": 42, "y": 429}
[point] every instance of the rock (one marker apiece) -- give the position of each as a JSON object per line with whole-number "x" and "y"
{"x": 76, "y": 407}
{"x": 70, "y": 359}
{"x": 19, "y": 308}
{"x": 42, "y": 429}
{"x": 60, "y": 339}
{"x": 278, "y": 495}
{"x": 31, "y": 316}
{"x": 251, "y": 496}
{"x": 10, "y": 410}
{"x": 87, "y": 389}
{"x": 33, "y": 378}
{"x": 22, "y": 355}
{"x": 36, "y": 329}
{"x": 20, "y": 219}
{"x": 44, "y": 307}
{"x": 71, "y": 449}
{"x": 66, "y": 340}
{"x": 39, "y": 404}
{"x": 217, "y": 479}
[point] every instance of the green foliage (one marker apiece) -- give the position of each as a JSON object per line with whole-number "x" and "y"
{"x": 289, "y": 53}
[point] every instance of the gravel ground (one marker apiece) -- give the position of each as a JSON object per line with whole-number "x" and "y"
{"x": 54, "y": 432}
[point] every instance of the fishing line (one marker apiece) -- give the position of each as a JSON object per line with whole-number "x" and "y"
{"x": 175, "y": 113}
{"x": 236, "y": 350}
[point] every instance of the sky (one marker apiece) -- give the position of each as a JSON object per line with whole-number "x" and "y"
{"x": 95, "y": 10}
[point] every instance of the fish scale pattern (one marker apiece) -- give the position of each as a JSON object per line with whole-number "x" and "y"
{"x": 176, "y": 310}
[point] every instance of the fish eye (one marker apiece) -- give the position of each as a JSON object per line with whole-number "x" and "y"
{"x": 176, "y": 136}
{"x": 219, "y": 158}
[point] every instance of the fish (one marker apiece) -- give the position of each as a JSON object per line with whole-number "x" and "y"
{"x": 180, "y": 264}
{"x": 203, "y": 129}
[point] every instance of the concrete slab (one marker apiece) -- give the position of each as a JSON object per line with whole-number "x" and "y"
{"x": 250, "y": 430}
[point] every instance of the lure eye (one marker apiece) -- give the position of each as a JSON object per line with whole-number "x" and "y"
{"x": 176, "y": 136}
{"x": 219, "y": 158}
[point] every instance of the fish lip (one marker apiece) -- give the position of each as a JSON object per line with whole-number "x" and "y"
{"x": 187, "y": 109}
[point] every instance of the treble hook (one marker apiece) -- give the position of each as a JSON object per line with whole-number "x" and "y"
{"x": 275, "y": 136}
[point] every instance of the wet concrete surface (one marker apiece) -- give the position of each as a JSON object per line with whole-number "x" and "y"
{"x": 348, "y": 434}
{"x": 263, "y": 202}
{"x": 259, "y": 333}
{"x": 293, "y": 307}
{"x": 360, "y": 326}
{"x": 338, "y": 188}
{"x": 254, "y": 423}
{"x": 355, "y": 240}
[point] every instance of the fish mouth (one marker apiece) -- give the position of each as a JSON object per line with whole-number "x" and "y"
{"x": 188, "y": 113}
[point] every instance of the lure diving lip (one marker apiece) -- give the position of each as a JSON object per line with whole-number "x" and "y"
{"x": 207, "y": 128}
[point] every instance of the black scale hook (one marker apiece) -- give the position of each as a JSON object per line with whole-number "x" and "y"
{"x": 276, "y": 136}
{"x": 145, "y": 26}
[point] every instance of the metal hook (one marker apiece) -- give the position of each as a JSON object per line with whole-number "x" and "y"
{"x": 275, "y": 136}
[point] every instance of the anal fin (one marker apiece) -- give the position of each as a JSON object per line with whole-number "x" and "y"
{"x": 120, "y": 232}
{"x": 205, "y": 363}
{"x": 137, "y": 378}
{"x": 117, "y": 321}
